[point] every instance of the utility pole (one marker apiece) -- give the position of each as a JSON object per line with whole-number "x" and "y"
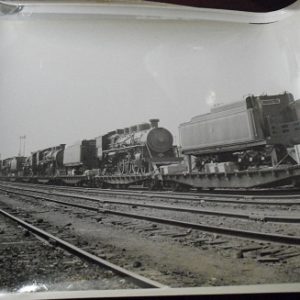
{"x": 19, "y": 154}
{"x": 24, "y": 145}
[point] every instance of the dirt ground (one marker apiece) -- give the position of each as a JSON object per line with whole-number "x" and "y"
{"x": 168, "y": 261}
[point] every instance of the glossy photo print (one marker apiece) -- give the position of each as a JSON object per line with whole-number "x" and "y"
{"x": 149, "y": 148}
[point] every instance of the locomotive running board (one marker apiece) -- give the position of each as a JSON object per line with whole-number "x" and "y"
{"x": 246, "y": 179}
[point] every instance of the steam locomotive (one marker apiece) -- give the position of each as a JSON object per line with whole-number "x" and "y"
{"x": 46, "y": 162}
{"x": 139, "y": 149}
{"x": 260, "y": 131}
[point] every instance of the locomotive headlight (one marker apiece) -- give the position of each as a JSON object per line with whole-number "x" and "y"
{"x": 250, "y": 159}
{"x": 262, "y": 158}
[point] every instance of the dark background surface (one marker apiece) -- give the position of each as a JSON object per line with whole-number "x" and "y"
{"x": 243, "y": 5}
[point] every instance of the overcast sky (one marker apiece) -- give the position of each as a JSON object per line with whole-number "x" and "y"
{"x": 66, "y": 80}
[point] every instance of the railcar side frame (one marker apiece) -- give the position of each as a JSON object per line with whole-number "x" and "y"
{"x": 268, "y": 177}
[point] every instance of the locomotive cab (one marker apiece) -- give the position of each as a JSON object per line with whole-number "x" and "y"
{"x": 278, "y": 118}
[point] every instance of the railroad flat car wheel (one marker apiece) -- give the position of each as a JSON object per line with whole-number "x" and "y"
{"x": 178, "y": 187}
{"x": 175, "y": 187}
{"x": 98, "y": 183}
{"x": 185, "y": 188}
{"x": 153, "y": 186}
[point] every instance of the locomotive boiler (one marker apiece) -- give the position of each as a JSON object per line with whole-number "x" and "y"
{"x": 260, "y": 131}
{"x": 139, "y": 149}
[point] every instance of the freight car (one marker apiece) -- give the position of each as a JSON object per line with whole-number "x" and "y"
{"x": 260, "y": 131}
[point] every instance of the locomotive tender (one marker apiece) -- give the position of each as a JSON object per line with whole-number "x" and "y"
{"x": 79, "y": 157}
{"x": 260, "y": 131}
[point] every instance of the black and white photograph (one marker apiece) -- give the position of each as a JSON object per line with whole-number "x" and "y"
{"x": 149, "y": 148}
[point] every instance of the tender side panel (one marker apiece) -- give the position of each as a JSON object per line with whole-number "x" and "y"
{"x": 218, "y": 130}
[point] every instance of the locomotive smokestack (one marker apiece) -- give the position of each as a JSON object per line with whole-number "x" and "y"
{"x": 154, "y": 123}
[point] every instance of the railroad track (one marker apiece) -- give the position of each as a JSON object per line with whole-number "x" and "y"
{"x": 249, "y": 216}
{"x": 248, "y": 234}
{"x": 261, "y": 193}
{"x": 138, "y": 280}
{"x": 274, "y": 200}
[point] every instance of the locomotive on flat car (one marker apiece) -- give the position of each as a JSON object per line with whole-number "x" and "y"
{"x": 249, "y": 143}
{"x": 139, "y": 149}
{"x": 12, "y": 166}
{"x": 259, "y": 131}
{"x": 47, "y": 162}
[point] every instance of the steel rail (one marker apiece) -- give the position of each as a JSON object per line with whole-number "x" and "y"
{"x": 193, "y": 198}
{"x": 268, "y": 237}
{"x": 136, "y": 278}
{"x": 180, "y": 197}
{"x": 226, "y": 193}
{"x": 251, "y": 216}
